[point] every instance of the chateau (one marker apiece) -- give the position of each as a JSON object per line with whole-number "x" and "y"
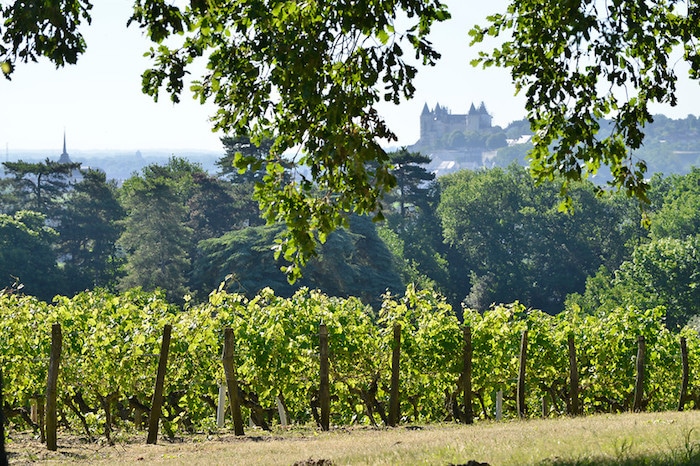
{"x": 456, "y": 141}
{"x": 437, "y": 125}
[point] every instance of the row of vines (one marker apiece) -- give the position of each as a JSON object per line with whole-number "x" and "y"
{"x": 111, "y": 345}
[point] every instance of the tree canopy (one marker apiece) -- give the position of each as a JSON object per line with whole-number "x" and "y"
{"x": 25, "y": 254}
{"x": 306, "y": 75}
{"x": 156, "y": 238}
{"x": 88, "y": 229}
{"x": 517, "y": 245}
{"x": 37, "y": 186}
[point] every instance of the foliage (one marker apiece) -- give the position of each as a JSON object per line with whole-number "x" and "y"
{"x": 242, "y": 146}
{"x": 412, "y": 181}
{"x": 308, "y": 77}
{"x": 111, "y": 342}
{"x": 308, "y": 74}
{"x": 123, "y": 333}
{"x": 430, "y": 350}
{"x": 37, "y": 186}
{"x": 26, "y": 255}
{"x": 88, "y": 231}
{"x": 33, "y": 29}
{"x": 156, "y": 239}
{"x": 515, "y": 244}
{"x": 248, "y": 211}
{"x": 578, "y": 62}
{"x": 662, "y": 272}
{"x": 24, "y": 349}
{"x": 412, "y": 230}
{"x": 679, "y": 216}
{"x": 211, "y": 207}
{"x": 352, "y": 262}
{"x": 670, "y": 147}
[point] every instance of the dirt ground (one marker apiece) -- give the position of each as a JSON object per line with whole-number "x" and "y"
{"x": 25, "y": 448}
{"x": 621, "y": 439}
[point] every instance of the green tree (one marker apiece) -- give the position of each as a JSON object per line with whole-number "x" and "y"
{"x": 412, "y": 181}
{"x": 88, "y": 228}
{"x": 247, "y": 209}
{"x": 240, "y": 148}
{"x": 26, "y": 254}
{"x": 211, "y": 208}
{"x": 664, "y": 272}
{"x": 37, "y": 186}
{"x": 679, "y": 213}
{"x": 311, "y": 74}
{"x": 579, "y": 62}
{"x": 412, "y": 231}
{"x": 517, "y": 246}
{"x": 350, "y": 263}
{"x": 156, "y": 238}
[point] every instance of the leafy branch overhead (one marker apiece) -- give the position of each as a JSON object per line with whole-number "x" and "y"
{"x": 579, "y": 62}
{"x": 31, "y": 29}
{"x": 306, "y": 75}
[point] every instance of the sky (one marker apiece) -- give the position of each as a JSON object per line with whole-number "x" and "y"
{"x": 100, "y": 106}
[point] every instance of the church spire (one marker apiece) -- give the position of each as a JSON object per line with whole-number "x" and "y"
{"x": 65, "y": 158}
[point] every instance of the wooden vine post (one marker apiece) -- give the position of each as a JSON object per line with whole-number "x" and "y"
{"x": 521, "y": 376}
{"x": 394, "y": 406}
{"x": 41, "y": 418}
{"x": 3, "y": 453}
{"x": 686, "y": 374}
{"x": 324, "y": 389}
{"x": 227, "y": 360}
{"x": 467, "y": 375}
{"x": 639, "y": 383}
{"x": 157, "y": 402}
{"x": 499, "y": 405}
{"x": 51, "y": 387}
{"x": 573, "y": 378}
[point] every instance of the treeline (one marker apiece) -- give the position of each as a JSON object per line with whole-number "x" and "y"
{"x": 477, "y": 237}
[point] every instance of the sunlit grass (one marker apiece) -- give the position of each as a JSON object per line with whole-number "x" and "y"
{"x": 611, "y": 440}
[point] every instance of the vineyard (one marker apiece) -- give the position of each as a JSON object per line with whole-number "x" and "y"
{"x": 111, "y": 344}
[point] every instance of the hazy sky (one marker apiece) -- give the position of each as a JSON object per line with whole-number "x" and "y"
{"x": 100, "y": 105}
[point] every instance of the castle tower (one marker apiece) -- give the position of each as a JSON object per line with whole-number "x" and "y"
{"x": 484, "y": 117}
{"x": 478, "y": 119}
{"x": 65, "y": 158}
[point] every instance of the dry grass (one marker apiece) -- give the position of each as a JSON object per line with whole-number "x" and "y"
{"x": 628, "y": 439}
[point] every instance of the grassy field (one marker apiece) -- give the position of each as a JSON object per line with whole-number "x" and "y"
{"x": 627, "y": 439}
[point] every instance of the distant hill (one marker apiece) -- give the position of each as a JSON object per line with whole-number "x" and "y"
{"x": 670, "y": 146}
